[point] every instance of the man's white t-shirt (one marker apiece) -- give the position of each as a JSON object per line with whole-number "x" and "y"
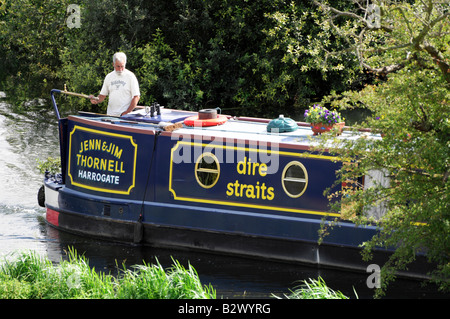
{"x": 121, "y": 90}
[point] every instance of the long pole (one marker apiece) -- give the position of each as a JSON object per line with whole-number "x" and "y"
{"x": 78, "y": 94}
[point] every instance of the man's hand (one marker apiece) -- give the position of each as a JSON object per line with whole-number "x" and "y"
{"x": 95, "y": 99}
{"x": 133, "y": 104}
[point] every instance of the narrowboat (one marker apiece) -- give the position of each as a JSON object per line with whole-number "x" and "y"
{"x": 202, "y": 181}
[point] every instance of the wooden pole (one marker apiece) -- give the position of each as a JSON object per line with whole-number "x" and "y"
{"x": 77, "y": 94}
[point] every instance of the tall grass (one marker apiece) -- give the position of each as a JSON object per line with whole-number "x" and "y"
{"x": 314, "y": 289}
{"x": 153, "y": 282}
{"x": 27, "y": 275}
{"x": 30, "y": 276}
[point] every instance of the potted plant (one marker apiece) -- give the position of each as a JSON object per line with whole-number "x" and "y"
{"x": 324, "y": 120}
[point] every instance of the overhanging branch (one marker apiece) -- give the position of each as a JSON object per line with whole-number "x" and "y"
{"x": 385, "y": 69}
{"x": 416, "y": 44}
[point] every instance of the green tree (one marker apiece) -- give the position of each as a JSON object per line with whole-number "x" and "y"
{"x": 188, "y": 54}
{"x": 193, "y": 54}
{"x": 405, "y": 44}
{"x": 31, "y": 35}
{"x": 295, "y": 65}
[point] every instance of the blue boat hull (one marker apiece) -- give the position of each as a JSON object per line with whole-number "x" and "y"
{"x": 302, "y": 249}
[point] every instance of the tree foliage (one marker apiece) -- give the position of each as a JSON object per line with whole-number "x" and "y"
{"x": 31, "y": 36}
{"x": 187, "y": 54}
{"x": 407, "y": 47}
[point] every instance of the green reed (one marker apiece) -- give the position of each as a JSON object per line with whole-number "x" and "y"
{"x": 27, "y": 275}
{"x": 30, "y": 276}
{"x": 314, "y": 289}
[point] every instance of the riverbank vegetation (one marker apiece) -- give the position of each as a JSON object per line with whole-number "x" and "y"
{"x": 30, "y": 276}
{"x": 270, "y": 57}
{"x": 315, "y": 289}
{"x": 27, "y": 275}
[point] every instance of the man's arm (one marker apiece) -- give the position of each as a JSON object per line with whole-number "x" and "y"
{"x": 133, "y": 104}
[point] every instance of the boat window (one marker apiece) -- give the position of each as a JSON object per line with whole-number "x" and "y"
{"x": 294, "y": 179}
{"x": 207, "y": 170}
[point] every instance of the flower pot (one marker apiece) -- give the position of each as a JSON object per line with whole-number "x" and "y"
{"x": 319, "y": 128}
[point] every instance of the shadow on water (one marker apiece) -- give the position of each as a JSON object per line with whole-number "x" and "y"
{"x": 26, "y": 138}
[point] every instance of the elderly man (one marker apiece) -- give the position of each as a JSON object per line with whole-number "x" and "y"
{"x": 122, "y": 87}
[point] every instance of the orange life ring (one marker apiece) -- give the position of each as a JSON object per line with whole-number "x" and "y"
{"x": 195, "y": 121}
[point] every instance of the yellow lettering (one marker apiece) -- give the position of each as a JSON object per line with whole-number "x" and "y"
{"x": 230, "y": 189}
{"x": 255, "y": 165}
{"x": 103, "y": 162}
{"x": 111, "y": 166}
{"x": 118, "y": 153}
{"x": 243, "y": 186}
{"x": 247, "y": 167}
{"x": 263, "y": 191}
{"x": 250, "y": 191}
{"x": 118, "y": 169}
{"x": 241, "y": 164}
{"x": 91, "y": 144}
{"x": 83, "y": 160}
{"x": 236, "y": 186}
{"x": 90, "y": 161}
{"x": 263, "y": 169}
{"x": 258, "y": 191}
{"x": 96, "y": 161}
{"x": 270, "y": 193}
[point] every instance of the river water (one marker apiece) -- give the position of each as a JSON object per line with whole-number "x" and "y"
{"x": 27, "y": 138}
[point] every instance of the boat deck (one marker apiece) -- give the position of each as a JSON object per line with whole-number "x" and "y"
{"x": 244, "y": 128}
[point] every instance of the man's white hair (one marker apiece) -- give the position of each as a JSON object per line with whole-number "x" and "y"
{"x": 120, "y": 56}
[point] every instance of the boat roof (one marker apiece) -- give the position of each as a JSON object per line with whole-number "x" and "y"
{"x": 241, "y": 128}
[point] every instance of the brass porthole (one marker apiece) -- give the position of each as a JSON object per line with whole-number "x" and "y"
{"x": 294, "y": 179}
{"x": 207, "y": 170}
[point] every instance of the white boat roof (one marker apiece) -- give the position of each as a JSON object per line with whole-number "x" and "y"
{"x": 240, "y": 128}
